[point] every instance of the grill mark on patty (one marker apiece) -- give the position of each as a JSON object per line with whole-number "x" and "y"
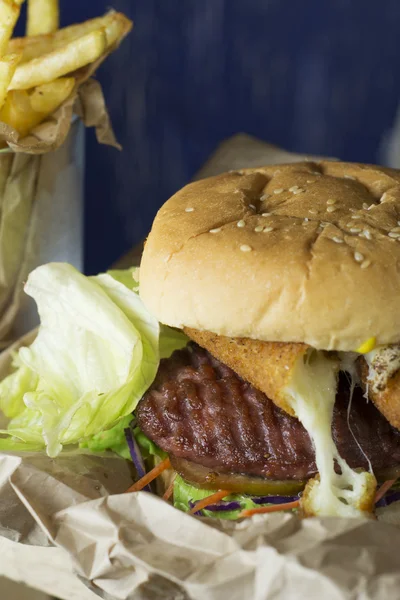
{"x": 239, "y": 425}
{"x": 215, "y": 426}
{"x": 218, "y": 425}
{"x": 200, "y": 410}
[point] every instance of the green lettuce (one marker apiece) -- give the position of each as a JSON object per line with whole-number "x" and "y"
{"x": 110, "y": 439}
{"x": 185, "y": 495}
{"x": 96, "y": 353}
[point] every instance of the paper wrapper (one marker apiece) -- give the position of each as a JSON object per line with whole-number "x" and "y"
{"x": 41, "y": 204}
{"x": 68, "y": 530}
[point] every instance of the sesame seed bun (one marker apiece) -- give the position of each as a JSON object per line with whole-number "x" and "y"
{"x": 305, "y": 252}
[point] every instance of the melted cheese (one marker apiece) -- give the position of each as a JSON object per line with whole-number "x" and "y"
{"x": 312, "y": 395}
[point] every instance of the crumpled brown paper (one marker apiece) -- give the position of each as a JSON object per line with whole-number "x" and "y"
{"x": 137, "y": 546}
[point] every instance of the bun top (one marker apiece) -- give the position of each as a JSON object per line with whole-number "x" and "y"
{"x": 306, "y": 252}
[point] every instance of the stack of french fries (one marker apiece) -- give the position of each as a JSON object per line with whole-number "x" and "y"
{"x": 38, "y": 71}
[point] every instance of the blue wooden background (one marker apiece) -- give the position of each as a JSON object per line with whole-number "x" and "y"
{"x": 318, "y": 77}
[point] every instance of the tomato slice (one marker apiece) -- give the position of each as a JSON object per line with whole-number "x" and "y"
{"x": 205, "y": 478}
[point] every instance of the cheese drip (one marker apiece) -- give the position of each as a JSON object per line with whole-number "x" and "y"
{"x": 312, "y": 394}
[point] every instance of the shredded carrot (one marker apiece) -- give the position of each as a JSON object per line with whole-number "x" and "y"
{"x": 170, "y": 489}
{"x": 270, "y": 509}
{"x": 385, "y": 487}
{"x": 209, "y": 500}
{"x": 139, "y": 485}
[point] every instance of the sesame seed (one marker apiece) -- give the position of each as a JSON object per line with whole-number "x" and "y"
{"x": 355, "y": 230}
{"x": 331, "y": 209}
{"x": 299, "y": 191}
{"x": 383, "y": 198}
{"x": 278, "y": 191}
{"x": 365, "y": 264}
{"x": 365, "y": 206}
{"x": 371, "y": 206}
{"x": 189, "y": 209}
{"x": 216, "y": 230}
{"x": 349, "y": 177}
{"x": 355, "y": 216}
{"x": 306, "y": 219}
{"x": 241, "y": 223}
{"x": 265, "y": 197}
{"x": 324, "y": 224}
{"x": 331, "y": 201}
{"x": 252, "y": 206}
{"x": 246, "y": 248}
{"x": 395, "y": 229}
{"x": 265, "y": 214}
{"x": 337, "y": 239}
{"x": 312, "y": 211}
{"x": 393, "y": 234}
{"x": 366, "y": 234}
{"x": 293, "y": 188}
{"x": 398, "y": 222}
{"x": 310, "y": 181}
{"x": 358, "y": 256}
{"x": 258, "y": 228}
{"x": 267, "y": 229}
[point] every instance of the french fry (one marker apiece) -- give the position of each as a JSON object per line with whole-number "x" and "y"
{"x": 9, "y": 13}
{"x": 115, "y": 25}
{"x": 8, "y": 64}
{"x": 43, "y": 17}
{"x": 18, "y": 111}
{"x": 64, "y": 60}
{"x": 45, "y": 98}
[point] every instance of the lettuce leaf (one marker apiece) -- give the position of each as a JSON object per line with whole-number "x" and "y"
{"x": 96, "y": 353}
{"x": 129, "y": 277}
{"x": 147, "y": 446}
{"x": 110, "y": 439}
{"x": 185, "y": 495}
{"x": 170, "y": 340}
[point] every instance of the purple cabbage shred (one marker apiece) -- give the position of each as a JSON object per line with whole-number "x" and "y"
{"x": 388, "y": 498}
{"x": 273, "y": 499}
{"x": 223, "y": 506}
{"x": 191, "y": 505}
{"x": 136, "y": 456}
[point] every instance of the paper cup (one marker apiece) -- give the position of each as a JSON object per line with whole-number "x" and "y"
{"x": 41, "y": 221}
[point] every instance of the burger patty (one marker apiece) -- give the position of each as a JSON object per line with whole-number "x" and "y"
{"x": 200, "y": 410}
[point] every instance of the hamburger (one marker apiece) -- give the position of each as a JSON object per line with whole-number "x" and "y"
{"x": 285, "y": 280}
